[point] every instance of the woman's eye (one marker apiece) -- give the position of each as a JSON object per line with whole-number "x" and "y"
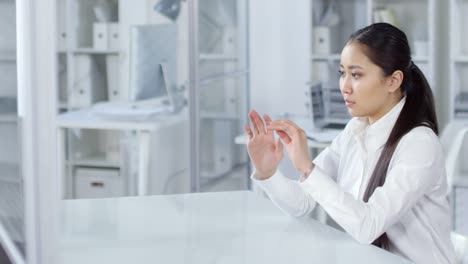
{"x": 355, "y": 75}
{"x": 340, "y": 72}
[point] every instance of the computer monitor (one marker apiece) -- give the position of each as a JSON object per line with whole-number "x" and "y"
{"x": 153, "y": 56}
{"x": 327, "y": 109}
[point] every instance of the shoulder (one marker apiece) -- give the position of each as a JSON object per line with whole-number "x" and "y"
{"x": 420, "y": 146}
{"x": 421, "y": 135}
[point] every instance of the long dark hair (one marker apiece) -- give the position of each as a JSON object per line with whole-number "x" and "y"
{"x": 387, "y": 47}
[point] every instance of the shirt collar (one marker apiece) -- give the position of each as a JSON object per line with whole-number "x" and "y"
{"x": 374, "y": 136}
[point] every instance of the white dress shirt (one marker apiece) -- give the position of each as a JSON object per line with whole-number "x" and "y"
{"x": 411, "y": 207}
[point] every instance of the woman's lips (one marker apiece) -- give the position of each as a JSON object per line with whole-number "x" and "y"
{"x": 349, "y": 103}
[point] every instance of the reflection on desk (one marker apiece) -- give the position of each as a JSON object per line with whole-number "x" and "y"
{"x": 312, "y": 142}
{"x": 84, "y": 119}
{"x": 230, "y": 227}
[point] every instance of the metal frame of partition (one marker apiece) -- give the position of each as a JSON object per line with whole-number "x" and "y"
{"x": 195, "y": 84}
{"x": 193, "y": 96}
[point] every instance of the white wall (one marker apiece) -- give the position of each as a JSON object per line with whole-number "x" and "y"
{"x": 279, "y": 42}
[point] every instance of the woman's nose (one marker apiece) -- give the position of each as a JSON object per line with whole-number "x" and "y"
{"x": 345, "y": 86}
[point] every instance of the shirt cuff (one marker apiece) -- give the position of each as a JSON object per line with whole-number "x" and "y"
{"x": 275, "y": 183}
{"x": 320, "y": 186}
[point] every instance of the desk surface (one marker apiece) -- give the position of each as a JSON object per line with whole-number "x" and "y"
{"x": 230, "y": 227}
{"x": 242, "y": 139}
{"x": 86, "y": 119}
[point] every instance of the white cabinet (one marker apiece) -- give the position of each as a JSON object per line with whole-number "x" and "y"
{"x": 89, "y": 71}
{"x": 97, "y": 183}
{"x": 458, "y": 95}
{"x": 332, "y": 27}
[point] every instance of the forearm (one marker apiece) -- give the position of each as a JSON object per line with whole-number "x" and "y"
{"x": 286, "y": 194}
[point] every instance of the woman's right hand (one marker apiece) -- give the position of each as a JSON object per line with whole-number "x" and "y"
{"x": 264, "y": 152}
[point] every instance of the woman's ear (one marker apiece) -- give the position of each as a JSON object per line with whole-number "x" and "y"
{"x": 394, "y": 81}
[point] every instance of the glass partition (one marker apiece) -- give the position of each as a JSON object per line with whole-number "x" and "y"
{"x": 12, "y": 236}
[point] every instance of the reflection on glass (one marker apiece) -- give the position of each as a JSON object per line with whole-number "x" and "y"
{"x": 122, "y": 72}
{"x": 11, "y": 188}
{"x": 223, "y": 85}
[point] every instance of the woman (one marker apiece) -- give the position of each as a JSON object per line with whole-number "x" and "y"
{"x": 383, "y": 178}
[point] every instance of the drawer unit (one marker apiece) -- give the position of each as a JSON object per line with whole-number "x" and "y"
{"x": 97, "y": 183}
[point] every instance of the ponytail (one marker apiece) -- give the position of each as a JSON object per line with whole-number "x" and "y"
{"x": 418, "y": 110}
{"x": 388, "y": 48}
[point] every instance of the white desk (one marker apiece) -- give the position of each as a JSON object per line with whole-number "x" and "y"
{"x": 222, "y": 228}
{"x": 242, "y": 139}
{"x": 315, "y": 147}
{"x": 83, "y": 119}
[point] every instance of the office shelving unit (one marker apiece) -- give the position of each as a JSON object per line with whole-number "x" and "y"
{"x": 87, "y": 75}
{"x": 458, "y": 107}
{"x": 415, "y": 17}
{"x": 84, "y": 79}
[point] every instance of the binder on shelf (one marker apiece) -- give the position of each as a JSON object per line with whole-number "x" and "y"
{"x": 113, "y": 36}
{"x": 100, "y": 33}
{"x": 325, "y": 40}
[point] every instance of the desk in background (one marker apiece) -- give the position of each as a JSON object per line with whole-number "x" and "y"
{"x": 84, "y": 119}
{"x": 223, "y": 228}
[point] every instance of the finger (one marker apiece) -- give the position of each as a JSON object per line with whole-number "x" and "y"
{"x": 285, "y": 137}
{"x": 267, "y": 119}
{"x": 267, "y": 122}
{"x": 294, "y": 130}
{"x": 278, "y": 125}
{"x": 279, "y": 146}
{"x": 260, "y": 124}
{"x": 254, "y": 124}
{"x": 284, "y": 126}
{"x": 248, "y": 131}
{"x": 292, "y": 124}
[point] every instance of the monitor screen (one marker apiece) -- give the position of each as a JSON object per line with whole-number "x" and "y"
{"x": 327, "y": 108}
{"x": 152, "y": 61}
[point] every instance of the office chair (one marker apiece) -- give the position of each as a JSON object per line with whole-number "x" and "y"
{"x": 460, "y": 242}
{"x": 452, "y": 140}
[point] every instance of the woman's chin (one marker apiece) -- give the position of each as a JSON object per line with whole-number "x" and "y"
{"x": 355, "y": 113}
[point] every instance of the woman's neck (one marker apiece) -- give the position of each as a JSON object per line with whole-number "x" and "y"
{"x": 394, "y": 100}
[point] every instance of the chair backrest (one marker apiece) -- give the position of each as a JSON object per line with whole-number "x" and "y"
{"x": 460, "y": 243}
{"x": 452, "y": 141}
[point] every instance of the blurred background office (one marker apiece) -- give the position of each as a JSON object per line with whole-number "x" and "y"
{"x": 112, "y": 98}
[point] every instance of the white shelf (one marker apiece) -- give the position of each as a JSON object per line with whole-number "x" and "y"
{"x": 462, "y": 59}
{"x": 329, "y": 57}
{"x": 62, "y": 105}
{"x": 94, "y": 51}
{"x": 8, "y": 117}
{"x": 337, "y": 57}
{"x": 222, "y": 57}
{"x": 95, "y": 160}
{"x": 421, "y": 59}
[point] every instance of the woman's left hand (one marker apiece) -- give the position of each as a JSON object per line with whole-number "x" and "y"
{"x": 295, "y": 140}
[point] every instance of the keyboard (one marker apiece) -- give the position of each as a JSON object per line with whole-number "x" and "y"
{"x": 130, "y": 111}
